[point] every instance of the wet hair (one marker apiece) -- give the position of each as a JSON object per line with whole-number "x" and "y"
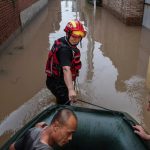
{"x": 62, "y": 116}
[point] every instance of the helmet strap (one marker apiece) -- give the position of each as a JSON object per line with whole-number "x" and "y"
{"x": 81, "y": 43}
{"x": 67, "y": 40}
{"x": 68, "y": 36}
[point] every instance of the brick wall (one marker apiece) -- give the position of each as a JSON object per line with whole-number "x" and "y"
{"x": 129, "y": 11}
{"x": 10, "y": 16}
{"x": 9, "y": 19}
{"x": 22, "y": 4}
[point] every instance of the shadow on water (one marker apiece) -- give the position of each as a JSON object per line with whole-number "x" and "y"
{"x": 115, "y": 60}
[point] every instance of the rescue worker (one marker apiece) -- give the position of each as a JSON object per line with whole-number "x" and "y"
{"x": 64, "y": 63}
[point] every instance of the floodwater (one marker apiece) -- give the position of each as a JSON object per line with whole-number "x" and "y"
{"x": 115, "y": 60}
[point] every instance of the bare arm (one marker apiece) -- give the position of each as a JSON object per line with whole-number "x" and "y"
{"x": 41, "y": 125}
{"x": 12, "y": 147}
{"x": 69, "y": 82}
{"x": 140, "y": 131}
{"x": 38, "y": 125}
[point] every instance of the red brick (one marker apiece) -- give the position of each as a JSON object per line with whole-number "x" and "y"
{"x": 10, "y": 16}
{"x": 129, "y": 11}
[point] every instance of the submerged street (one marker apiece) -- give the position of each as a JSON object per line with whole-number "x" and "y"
{"x": 114, "y": 56}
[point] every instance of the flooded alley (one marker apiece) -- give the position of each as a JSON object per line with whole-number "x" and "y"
{"x": 114, "y": 56}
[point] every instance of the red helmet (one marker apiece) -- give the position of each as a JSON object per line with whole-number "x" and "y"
{"x": 75, "y": 28}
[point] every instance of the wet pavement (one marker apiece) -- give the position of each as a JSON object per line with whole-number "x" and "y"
{"x": 115, "y": 61}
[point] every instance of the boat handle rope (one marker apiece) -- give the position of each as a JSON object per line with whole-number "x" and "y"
{"x": 129, "y": 121}
{"x": 77, "y": 87}
{"x": 90, "y": 104}
{"x": 124, "y": 117}
{"x": 94, "y": 105}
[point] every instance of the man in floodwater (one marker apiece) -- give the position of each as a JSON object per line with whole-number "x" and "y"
{"x": 41, "y": 137}
{"x": 64, "y": 63}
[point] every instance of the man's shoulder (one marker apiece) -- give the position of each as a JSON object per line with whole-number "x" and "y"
{"x": 35, "y": 129}
{"x": 64, "y": 46}
{"x": 42, "y": 146}
{"x": 34, "y": 132}
{"x": 61, "y": 44}
{"x": 61, "y": 40}
{"x": 64, "y": 43}
{"x": 35, "y": 140}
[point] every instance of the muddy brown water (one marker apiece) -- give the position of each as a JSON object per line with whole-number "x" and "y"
{"x": 115, "y": 60}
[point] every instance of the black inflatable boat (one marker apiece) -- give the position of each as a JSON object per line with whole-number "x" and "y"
{"x": 97, "y": 130}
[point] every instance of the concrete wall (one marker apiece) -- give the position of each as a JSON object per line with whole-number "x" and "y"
{"x": 147, "y": 1}
{"x": 129, "y": 11}
{"x": 27, "y": 14}
{"x": 146, "y": 17}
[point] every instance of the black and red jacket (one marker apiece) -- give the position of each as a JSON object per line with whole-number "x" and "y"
{"x": 53, "y": 67}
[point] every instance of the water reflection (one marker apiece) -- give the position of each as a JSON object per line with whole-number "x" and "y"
{"x": 91, "y": 44}
{"x": 118, "y": 82}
